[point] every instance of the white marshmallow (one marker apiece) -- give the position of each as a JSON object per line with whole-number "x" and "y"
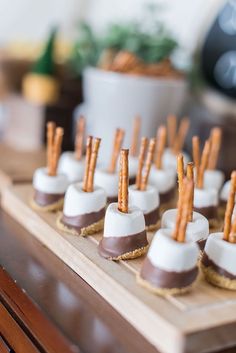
{"x": 224, "y": 195}
{"x": 196, "y": 230}
{"x": 169, "y": 159}
{"x": 205, "y": 197}
{"x": 119, "y": 224}
{"x": 213, "y": 179}
{"x": 73, "y": 168}
{"x": 49, "y": 184}
{"x": 133, "y": 166}
{"x": 108, "y": 181}
{"x": 147, "y": 200}
{"x": 221, "y": 252}
{"x": 78, "y": 202}
{"x": 170, "y": 255}
{"x": 164, "y": 180}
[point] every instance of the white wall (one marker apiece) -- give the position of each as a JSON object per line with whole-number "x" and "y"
{"x": 31, "y": 19}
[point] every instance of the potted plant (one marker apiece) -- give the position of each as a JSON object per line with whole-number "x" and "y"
{"x": 128, "y": 71}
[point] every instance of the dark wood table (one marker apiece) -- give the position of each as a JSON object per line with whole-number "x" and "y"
{"x": 46, "y": 307}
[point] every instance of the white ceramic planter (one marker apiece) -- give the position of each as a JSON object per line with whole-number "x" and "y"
{"x": 113, "y": 100}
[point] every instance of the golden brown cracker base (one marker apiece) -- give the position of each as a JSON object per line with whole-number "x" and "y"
{"x": 221, "y": 211}
{"x": 131, "y": 254}
{"x": 215, "y": 225}
{"x": 167, "y": 206}
{"x": 218, "y": 280}
{"x": 54, "y": 207}
{"x": 164, "y": 291}
{"x": 90, "y": 230}
{"x": 153, "y": 227}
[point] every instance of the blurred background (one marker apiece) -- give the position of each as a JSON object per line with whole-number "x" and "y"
{"x": 113, "y": 60}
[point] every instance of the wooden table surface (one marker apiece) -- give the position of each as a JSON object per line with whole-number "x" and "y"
{"x": 74, "y": 309}
{"x": 53, "y": 305}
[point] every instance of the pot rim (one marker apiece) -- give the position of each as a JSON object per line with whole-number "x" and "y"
{"x": 115, "y": 77}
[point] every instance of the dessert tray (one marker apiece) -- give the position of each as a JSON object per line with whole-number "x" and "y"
{"x": 18, "y": 167}
{"x": 202, "y": 320}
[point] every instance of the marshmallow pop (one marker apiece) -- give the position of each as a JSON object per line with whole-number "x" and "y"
{"x": 143, "y": 195}
{"x": 163, "y": 179}
{"x": 198, "y": 226}
{"x": 175, "y": 142}
{"x": 49, "y": 185}
{"x": 218, "y": 261}
{"x": 108, "y": 178}
{"x": 214, "y": 178}
{"x": 72, "y": 163}
{"x": 124, "y": 228}
{"x": 206, "y": 200}
{"x": 84, "y": 206}
{"x": 170, "y": 266}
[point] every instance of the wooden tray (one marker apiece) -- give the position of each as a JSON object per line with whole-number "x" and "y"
{"x": 203, "y": 320}
{"x": 18, "y": 167}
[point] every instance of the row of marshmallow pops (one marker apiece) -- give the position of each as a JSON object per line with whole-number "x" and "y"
{"x": 49, "y": 192}
{"x": 72, "y": 165}
{"x": 94, "y": 148}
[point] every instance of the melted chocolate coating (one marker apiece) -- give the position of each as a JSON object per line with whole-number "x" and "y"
{"x": 167, "y": 279}
{"x": 132, "y": 180}
{"x": 207, "y": 262}
{"x": 116, "y": 246}
{"x": 84, "y": 220}
{"x": 201, "y": 243}
{"x": 112, "y": 199}
{"x": 152, "y": 217}
{"x": 44, "y": 199}
{"x": 209, "y": 212}
{"x": 167, "y": 196}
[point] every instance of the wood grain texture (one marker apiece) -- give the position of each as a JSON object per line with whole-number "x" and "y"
{"x": 41, "y": 331}
{"x": 18, "y": 167}
{"x": 4, "y": 348}
{"x": 73, "y": 307}
{"x": 202, "y": 320}
{"x": 13, "y": 334}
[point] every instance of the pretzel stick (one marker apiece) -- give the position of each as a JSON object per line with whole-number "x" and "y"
{"x": 181, "y": 135}
{"x": 161, "y": 142}
{"x": 123, "y": 181}
{"x": 51, "y": 126}
{"x": 92, "y": 163}
{"x": 203, "y": 164}
{"x": 230, "y": 206}
{"x": 232, "y": 235}
{"x": 119, "y": 136}
{"x": 120, "y": 196}
{"x": 196, "y": 154}
{"x": 215, "y": 139}
{"x": 87, "y": 162}
{"x": 180, "y": 171}
{"x": 56, "y": 149}
{"x": 171, "y": 128}
{"x": 190, "y": 176}
{"x": 79, "y": 138}
{"x": 142, "y": 151}
{"x": 179, "y": 215}
{"x": 148, "y": 163}
{"x": 135, "y": 136}
{"x": 185, "y": 210}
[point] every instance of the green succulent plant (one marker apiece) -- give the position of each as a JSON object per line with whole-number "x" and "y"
{"x": 148, "y": 39}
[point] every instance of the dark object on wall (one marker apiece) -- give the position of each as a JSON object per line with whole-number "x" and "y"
{"x": 218, "y": 57}
{"x": 202, "y": 121}
{"x": 61, "y": 112}
{"x": 215, "y": 104}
